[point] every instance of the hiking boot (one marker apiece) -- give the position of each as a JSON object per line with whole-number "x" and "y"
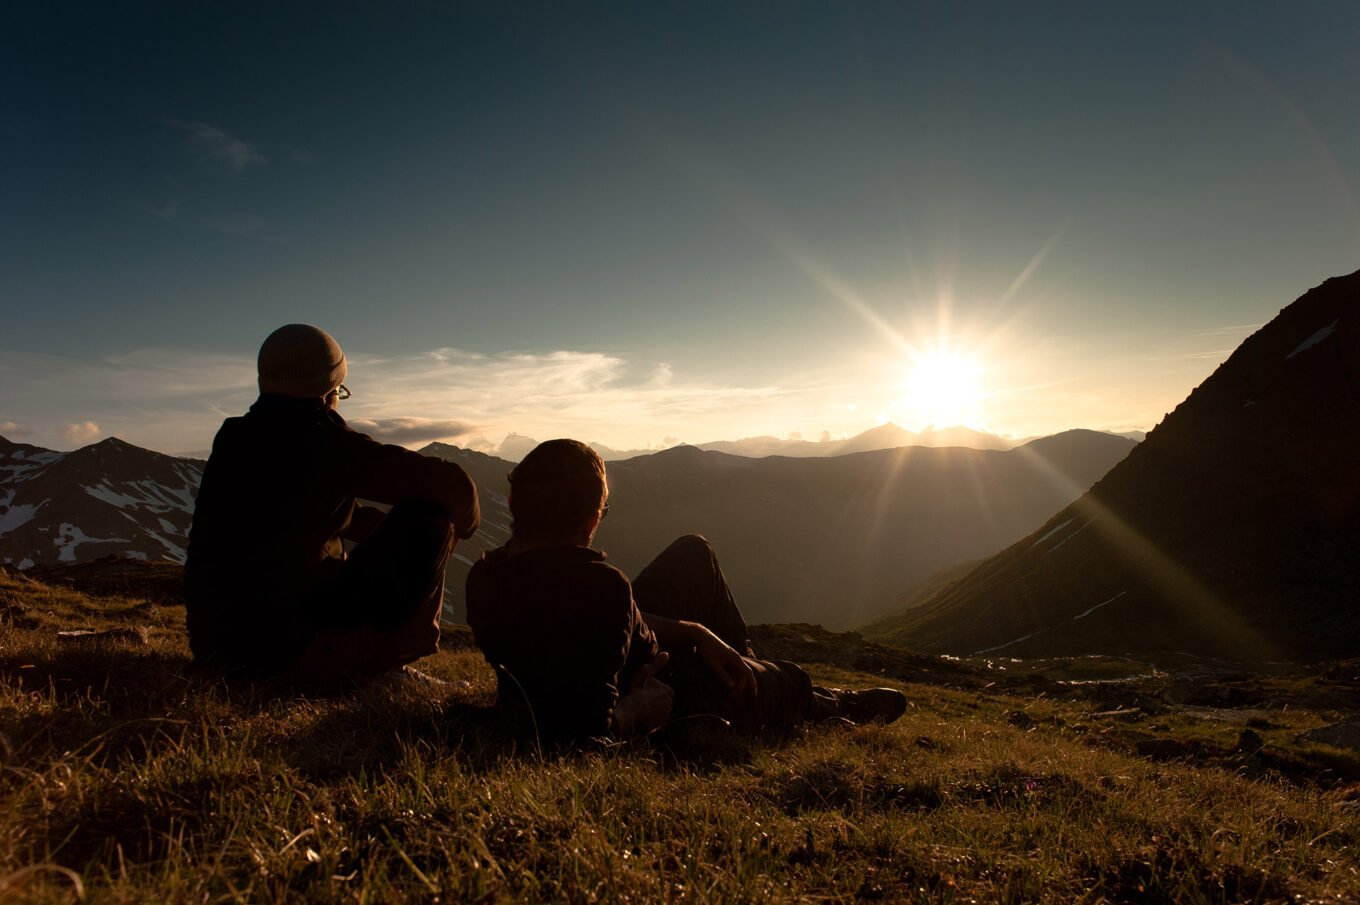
{"x": 866, "y": 705}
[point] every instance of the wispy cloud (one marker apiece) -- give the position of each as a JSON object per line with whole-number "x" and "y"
{"x": 412, "y": 431}
{"x": 81, "y": 434}
{"x": 174, "y": 400}
{"x": 220, "y": 146}
{"x": 1203, "y": 355}
{"x": 588, "y": 395}
{"x": 167, "y": 400}
{"x": 12, "y": 431}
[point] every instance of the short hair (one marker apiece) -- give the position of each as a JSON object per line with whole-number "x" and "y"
{"x": 557, "y": 487}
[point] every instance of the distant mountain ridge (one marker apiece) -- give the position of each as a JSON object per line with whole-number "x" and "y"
{"x": 828, "y": 539}
{"x": 885, "y": 436}
{"x": 109, "y": 498}
{"x": 1232, "y": 530}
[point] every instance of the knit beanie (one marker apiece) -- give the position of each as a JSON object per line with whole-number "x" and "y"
{"x": 302, "y": 361}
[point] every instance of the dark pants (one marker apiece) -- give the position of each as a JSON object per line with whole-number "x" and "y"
{"x": 379, "y": 608}
{"x": 686, "y": 583}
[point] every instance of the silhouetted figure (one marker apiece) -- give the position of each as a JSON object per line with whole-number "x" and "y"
{"x": 269, "y": 587}
{"x": 580, "y": 652}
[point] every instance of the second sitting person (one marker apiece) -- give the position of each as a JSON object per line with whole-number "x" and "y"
{"x": 581, "y": 652}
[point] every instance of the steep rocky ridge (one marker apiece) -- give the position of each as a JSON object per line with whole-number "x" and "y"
{"x": 1232, "y": 530}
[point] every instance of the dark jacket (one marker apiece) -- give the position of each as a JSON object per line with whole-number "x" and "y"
{"x": 560, "y": 627}
{"x": 277, "y": 495}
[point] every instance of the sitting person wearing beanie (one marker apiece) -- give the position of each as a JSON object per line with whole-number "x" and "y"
{"x": 580, "y": 652}
{"x": 269, "y": 587}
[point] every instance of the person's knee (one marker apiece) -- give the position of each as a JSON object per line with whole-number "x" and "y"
{"x": 694, "y": 546}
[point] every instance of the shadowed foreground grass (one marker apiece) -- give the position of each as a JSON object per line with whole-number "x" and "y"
{"x": 123, "y": 780}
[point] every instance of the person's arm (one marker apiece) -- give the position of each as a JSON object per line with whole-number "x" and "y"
{"x": 722, "y": 658}
{"x": 386, "y": 473}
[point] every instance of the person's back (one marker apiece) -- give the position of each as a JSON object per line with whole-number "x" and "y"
{"x": 559, "y": 626}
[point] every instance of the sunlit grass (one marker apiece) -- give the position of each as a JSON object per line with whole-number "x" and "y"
{"x": 125, "y": 781}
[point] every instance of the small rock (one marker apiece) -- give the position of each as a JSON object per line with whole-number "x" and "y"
{"x": 1020, "y": 720}
{"x": 1342, "y": 734}
{"x": 1249, "y": 742}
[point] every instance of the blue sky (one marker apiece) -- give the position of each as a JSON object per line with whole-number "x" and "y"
{"x": 644, "y": 223}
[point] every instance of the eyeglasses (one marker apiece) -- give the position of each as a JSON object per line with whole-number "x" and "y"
{"x": 341, "y": 392}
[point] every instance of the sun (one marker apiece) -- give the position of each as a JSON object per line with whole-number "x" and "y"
{"x": 944, "y": 389}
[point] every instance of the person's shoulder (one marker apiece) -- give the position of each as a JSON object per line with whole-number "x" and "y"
{"x": 230, "y": 429}
{"x": 580, "y": 572}
{"x": 586, "y": 560}
{"x": 488, "y": 561}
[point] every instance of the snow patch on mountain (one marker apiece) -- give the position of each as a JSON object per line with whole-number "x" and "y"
{"x": 14, "y": 516}
{"x": 1098, "y": 606}
{"x": 145, "y": 495}
{"x": 22, "y": 463}
{"x": 1053, "y": 532}
{"x": 1075, "y": 533}
{"x": 70, "y": 537}
{"x": 1314, "y": 339}
{"x": 173, "y": 551}
{"x": 1081, "y": 615}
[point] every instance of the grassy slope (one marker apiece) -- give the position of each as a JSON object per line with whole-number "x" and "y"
{"x": 124, "y": 780}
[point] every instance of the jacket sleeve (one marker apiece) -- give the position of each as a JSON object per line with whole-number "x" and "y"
{"x": 386, "y": 473}
{"x": 601, "y": 655}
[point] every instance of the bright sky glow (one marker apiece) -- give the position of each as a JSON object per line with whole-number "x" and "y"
{"x": 640, "y": 224}
{"x": 945, "y": 389}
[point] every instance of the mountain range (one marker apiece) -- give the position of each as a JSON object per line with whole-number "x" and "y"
{"x": 831, "y": 540}
{"x": 886, "y": 436}
{"x": 1232, "y": 530}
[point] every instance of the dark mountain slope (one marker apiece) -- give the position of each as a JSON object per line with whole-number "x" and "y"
{"x": 1233, "y": 529}
{"x": 834, "y": 540}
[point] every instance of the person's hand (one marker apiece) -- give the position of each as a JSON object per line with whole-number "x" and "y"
{"x": 646, "y": 704}
{"x": 730, "y": 666}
